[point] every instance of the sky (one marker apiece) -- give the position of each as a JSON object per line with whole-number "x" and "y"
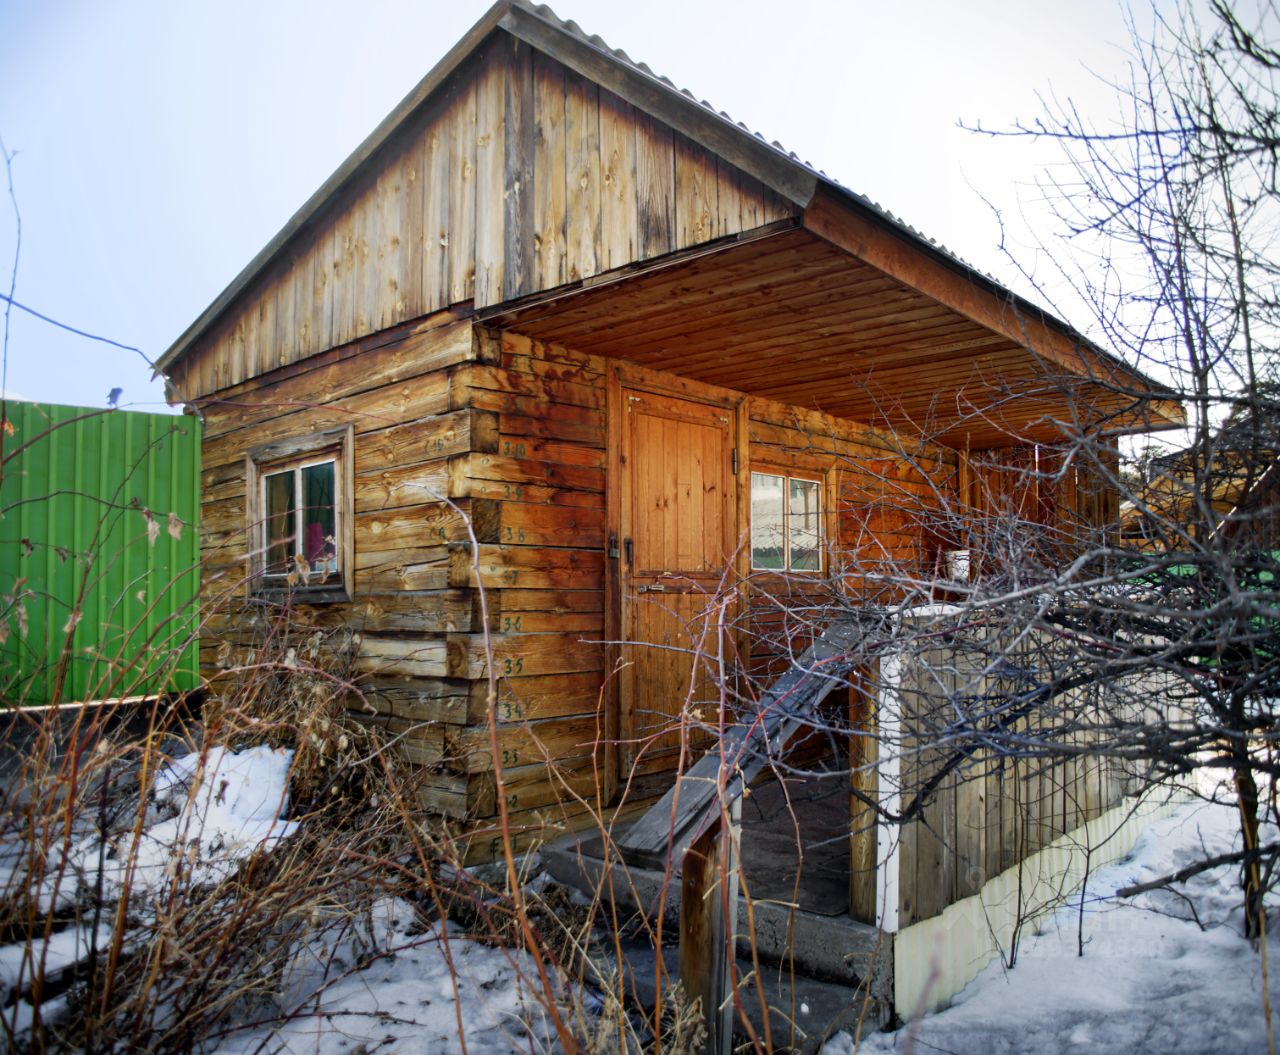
{"x": 160, "y": 145}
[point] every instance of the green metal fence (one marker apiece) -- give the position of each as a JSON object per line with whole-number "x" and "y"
{"x": 99, "y": 553}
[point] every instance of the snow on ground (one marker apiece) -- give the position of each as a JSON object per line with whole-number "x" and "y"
{"x": 228, "y": 804}
{"x": 350, "y": 989}
{"x": 408, "y": 1000}
{"x": 221, "y": 806}
{"x": 1150, "y": 980}
{"x": 62, "y": 950}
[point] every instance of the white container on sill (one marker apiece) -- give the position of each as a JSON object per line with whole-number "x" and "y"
{"x": 957, "y": 564}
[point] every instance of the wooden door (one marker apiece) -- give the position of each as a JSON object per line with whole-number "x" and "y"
{"x": 678, "y": 520}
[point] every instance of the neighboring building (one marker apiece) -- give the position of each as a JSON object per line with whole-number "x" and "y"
{"x": 638, "y": 352}
{"x": 99, "y": 553}
{"x": 1225, "y": 483}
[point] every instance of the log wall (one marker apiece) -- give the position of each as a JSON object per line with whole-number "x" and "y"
{"x": 406, "y": 396}
{"x": 881, "y": 493}
{"x": 462, "y": 433}
{"x": 545, "y": 579}
{"x": 1065, "y": 501}
{"x": 544, "y": 583}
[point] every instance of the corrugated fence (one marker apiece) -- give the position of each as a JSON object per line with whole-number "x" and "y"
{"x": 99, "y": 553}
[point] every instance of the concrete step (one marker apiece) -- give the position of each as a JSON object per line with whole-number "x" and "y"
{"x": 803, "y": 1012}
{"x": 849, "y": 957}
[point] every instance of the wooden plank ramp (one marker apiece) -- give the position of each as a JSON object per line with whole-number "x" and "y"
{"x": 694, "y": 802}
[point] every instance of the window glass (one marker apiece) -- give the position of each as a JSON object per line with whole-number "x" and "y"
{"x": 786, "y": 523}
{"x": 768, "y": 527}
{"x": 318, "y": 521}
{"x": 280, "y": 523}
{"x": 803, "y": 518}
{"x": 300, "y": 512}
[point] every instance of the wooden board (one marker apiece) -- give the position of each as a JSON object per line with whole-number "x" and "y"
{"x": 666, "y": 831}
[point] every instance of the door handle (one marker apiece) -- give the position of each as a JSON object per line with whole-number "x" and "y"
{"x": 655, "y": 587}
{"x": 626, "y": 545}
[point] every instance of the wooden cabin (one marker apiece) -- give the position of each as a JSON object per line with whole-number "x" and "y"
{"x": 1225, "y": 483}
{"x": 557, "y": 361}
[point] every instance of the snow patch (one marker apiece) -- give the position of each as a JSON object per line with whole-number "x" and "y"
{"x": 228, "y": 805}
{"x": 410, "y": 991}
{"x": 1149, "y": 980}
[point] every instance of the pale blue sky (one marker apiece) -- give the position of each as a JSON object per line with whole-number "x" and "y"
{"x": 162, "y": 144}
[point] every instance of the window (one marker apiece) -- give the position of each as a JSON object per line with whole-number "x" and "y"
{"x": 786, "y": 522}
{"x": 301, "y": 519}
{"x": 300, "y": 515}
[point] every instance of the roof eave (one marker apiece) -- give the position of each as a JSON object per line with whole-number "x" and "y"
{"x": 848, "y": 221}
{"x": 782, "y": 172}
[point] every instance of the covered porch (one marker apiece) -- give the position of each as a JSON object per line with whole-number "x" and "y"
{"x": 847, "y": 312}
{"x": 830, "y": 336}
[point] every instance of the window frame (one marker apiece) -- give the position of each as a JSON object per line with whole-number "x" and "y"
{"x": 819, "y": 477}
{"x": 296, "y": 454}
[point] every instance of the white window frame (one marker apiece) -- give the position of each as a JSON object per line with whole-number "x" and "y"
{"x": 786, "y": 476}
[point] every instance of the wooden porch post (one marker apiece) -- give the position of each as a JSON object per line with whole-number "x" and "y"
{"x": 862, "y": 818}
{"x": 708, "y": 926}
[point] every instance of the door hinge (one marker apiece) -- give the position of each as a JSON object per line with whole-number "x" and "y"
{"x": 735, "y": 461}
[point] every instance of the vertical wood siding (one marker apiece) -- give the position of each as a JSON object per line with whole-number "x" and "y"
{"x": 995, "y": 811}
{"x": 517, "y": 176}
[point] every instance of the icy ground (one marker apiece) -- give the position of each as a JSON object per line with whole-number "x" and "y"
{"x": 388, "y": 984}
{"x": 1150, "y": 980}
{"x": 1165, "y": 972}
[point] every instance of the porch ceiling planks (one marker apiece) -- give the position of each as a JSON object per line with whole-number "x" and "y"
{"x": 796, "y": 318}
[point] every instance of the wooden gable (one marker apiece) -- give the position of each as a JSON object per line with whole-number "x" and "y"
{"x": 516, "y": 175}
{"x": 547, "y": 184}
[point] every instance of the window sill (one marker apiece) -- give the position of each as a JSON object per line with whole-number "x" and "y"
{"x": 321, "y": 594}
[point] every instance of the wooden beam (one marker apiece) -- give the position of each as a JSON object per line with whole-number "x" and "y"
{"x": 836, "y": 219}
{"x": 677, "y": 820}
{"x": 708, "y": 922}
{"x": 863, "y": 752}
